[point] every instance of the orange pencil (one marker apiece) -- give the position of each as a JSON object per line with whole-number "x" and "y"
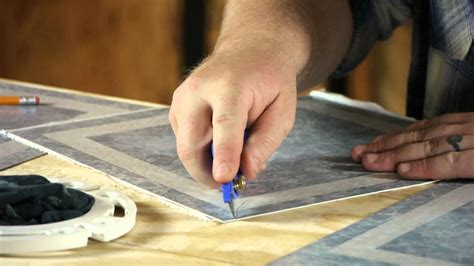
{"x": 19, "y": 100}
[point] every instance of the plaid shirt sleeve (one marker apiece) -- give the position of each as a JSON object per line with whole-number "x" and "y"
{"x": 374, "y": 20}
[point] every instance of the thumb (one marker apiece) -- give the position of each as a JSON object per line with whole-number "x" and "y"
{"x": 267, "y": 134}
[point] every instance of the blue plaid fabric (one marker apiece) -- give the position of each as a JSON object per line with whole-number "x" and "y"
{"x": 441, "y": 78}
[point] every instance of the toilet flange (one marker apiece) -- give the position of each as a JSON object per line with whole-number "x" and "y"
{"x": 99, "y": 224}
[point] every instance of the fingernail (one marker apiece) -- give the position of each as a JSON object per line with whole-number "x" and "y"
{"x": 377, "y": 139}
{"x": 222, "y": 171}
{"x": 370, "y": 158}
{"x": 404, "y": 167}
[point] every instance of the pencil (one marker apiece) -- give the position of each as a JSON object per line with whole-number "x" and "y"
{"x": 19, "y": 100}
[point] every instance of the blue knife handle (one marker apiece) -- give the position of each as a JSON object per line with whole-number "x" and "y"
{"x": 228, "y": 191}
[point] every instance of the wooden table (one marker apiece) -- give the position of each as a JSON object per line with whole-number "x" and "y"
{"x": 166, "y": 235}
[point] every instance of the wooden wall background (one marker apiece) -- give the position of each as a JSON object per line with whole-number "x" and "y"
{"x": 383, "y": 75}
{"x": 134, "y": 49}
{"x": 125, "y": 48}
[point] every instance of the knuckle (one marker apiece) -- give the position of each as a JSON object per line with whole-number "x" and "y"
{"x": 454, "y": 159}
{"x": 416, "y": 136}
{"x": 430, "y": 147}
{"x": 376, "y": 146}
{"x": 185, "y": 152}
{"x": 171, "y": 116}
{"x": 388, "y": 156}
{"x": 224, "y": 81}
{"x": 225, "y": 119}
{"x": 190, "y": 86}
{"x": 176, "y": 98}
{"x": 191, "y": 83}
{"x": 454, "y": 163}
{"x": 173, "y": 123}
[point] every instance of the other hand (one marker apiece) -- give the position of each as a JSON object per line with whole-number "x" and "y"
{"x": 438, "y": 148}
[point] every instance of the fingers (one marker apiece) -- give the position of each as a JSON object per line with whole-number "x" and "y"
{"x": 446, "y": 166}
{"x": 193, "y": 136}
{"x": 452, "y": 118}
{"x": 438, "y": 148}
{"x": 216, "y": 103}
{"x": 267, "y": 134}
{"x": 358, "y": 152}
{"x": 388, "y": 161}
{"x": 392, "y": 142}
{"x": 229, "y": 120}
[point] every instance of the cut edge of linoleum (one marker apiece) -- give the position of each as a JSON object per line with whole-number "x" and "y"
{"x": 335, "y": 200}
{"x": 28, "y": 154}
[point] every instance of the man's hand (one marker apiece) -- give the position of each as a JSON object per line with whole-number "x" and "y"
{"x": 438, "y": 148}
{"x": 222, "y": 98}
{"x": 265, "y": 49}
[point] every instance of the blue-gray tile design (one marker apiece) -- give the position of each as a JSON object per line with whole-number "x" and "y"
{"x": 313, "y": 165}
{"x": 434, "y": 227}
{"x": 56, "y": 107}
{"x": 13, "y": 117}
{"x": 13, "y": 153}
{"x": 449, "y": 237}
